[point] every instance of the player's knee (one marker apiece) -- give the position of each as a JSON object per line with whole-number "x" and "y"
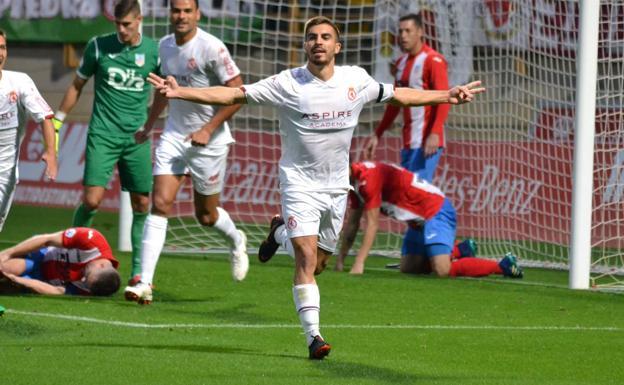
{"x": 140, "y": 204}
{"x": 91, "y": 202}
{"x": 441, "y": 271}
{"x": 161, "y": 206}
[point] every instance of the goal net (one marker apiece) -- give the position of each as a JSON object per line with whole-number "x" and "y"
{"x": 508, "y": 162}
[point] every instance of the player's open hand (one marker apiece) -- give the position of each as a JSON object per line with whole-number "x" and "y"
{"x": 167, "y": 87}
{"x": 370, "y": 147}
{"x": 465, "y": 93}
{"x": 49, "y": 157}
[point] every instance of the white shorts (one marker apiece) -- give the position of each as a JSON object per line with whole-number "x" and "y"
{"x": 314, "y": 213}
{"x": 9, "y": 152}
{"x": 206, "y": 165}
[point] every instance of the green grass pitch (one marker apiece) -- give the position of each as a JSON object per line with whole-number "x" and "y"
{"x": 385, "y": 327}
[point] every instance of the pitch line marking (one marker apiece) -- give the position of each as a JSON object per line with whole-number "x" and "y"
{"x": 140, "y": 325}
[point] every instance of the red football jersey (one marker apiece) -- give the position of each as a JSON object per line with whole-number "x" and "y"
{"x": 65, "y": 265}
{"x": 398, "y": 192}
{"x": 426, "y": 70}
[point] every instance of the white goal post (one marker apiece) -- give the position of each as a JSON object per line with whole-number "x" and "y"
{"x": 508, "y": 166}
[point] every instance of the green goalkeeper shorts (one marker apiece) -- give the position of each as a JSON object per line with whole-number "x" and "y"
{"x": 134, "y": 162}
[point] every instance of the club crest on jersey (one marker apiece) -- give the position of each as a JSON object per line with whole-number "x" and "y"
{"x": 351, "y": 95}
{"x": 70, "y": 233}
{"x": 191, "y": 64}
{"x": 292, "y": 223}
{"x": 12, "y": 97}
{"x": 139, "y": 59}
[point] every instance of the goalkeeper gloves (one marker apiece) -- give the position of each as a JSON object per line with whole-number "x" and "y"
{"x": 57, "y": 121}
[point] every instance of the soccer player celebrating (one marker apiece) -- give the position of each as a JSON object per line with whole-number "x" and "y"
{"x": 196, "y": 140}
{"x": 403, "y": 195}
{"x": 75, "y": 261}
{"x": 119, "y": 62}
{"x": 319, "y": 105}
{"x": 18, "y": 96}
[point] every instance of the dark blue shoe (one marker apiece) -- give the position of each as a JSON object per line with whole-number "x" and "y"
{"x": 319, "y": 349}
{"x": 509, "y": 265}
{"x": 467, "y": 248}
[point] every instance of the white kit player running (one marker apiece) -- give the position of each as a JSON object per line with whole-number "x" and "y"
{"x": 318, "y": 106}
{"x": 195, "y": 141}
{"x": 19, "y": 96}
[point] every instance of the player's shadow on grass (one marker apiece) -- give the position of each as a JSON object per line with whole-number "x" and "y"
{"x": 355, "y": 371}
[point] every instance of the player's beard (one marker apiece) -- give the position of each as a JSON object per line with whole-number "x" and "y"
{"x": 323, "y": 61}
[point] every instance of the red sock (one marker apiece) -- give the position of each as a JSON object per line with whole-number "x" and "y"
{"x": 474, "y": 267}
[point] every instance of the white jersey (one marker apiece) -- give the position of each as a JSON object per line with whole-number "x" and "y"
{"x": 18, "y": 96}
{"x": 203, "y": 61}
{"x": 317, "y": 120}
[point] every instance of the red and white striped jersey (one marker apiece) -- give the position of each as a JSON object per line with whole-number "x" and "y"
{"x": 426, "y": 70}
{"x": 65, "y": 265}
{"x": 399, "y": 193}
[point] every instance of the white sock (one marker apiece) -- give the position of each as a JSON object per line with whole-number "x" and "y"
{"x": 154, "y": 234}
{"x": 226, "y": 227}
{"x": 308, "y": 304}
{"x": 281, "y": 237}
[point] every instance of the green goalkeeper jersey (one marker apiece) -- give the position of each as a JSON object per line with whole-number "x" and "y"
{"x": 121, "y": 91}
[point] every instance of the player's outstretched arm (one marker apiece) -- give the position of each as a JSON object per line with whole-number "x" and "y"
{"x": 35, "y": 285}
{"x": 409, "y": 97}
{"x": 219, "y": 95}
{"x": 32, "y": 244}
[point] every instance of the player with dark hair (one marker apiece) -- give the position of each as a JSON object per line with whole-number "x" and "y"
{"x": 420, "y": 67}
{"x": 403, "y": 195}
{"x": 319, "y": 105}
{"x": 119, "y": 63}
{"x": 195, "y": 142}
{"x": 19, "y": 98}
{"x": 75, "y": 261}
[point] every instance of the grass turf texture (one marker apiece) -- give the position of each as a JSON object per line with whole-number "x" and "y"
{"x": 385, "y": 327}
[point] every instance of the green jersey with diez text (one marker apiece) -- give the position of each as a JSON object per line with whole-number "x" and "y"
{"x": 121, "y": 91}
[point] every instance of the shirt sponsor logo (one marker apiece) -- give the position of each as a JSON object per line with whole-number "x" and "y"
{"x": 326, "y": 115}
{"x": 125, "y": 79}
{"x": 7, "y": 115}
{"x": 139, "y": 59}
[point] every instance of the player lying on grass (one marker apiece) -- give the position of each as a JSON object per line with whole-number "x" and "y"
{"x": 319, "y": 105}
{"x": 400, "y": 194}
{"x": 75, "y": 261}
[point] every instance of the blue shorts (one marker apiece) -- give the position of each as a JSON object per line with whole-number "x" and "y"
{"x": 436, "y": 237}
{"x": 33, "y": 264}
{"x": 415, "y": 161}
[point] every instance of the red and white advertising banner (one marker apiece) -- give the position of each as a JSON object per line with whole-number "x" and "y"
{"x": 506, "y": 190}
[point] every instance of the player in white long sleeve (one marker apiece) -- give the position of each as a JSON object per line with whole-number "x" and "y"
{"x": 319, "y": 105}
{"x": 19, "y": 97}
